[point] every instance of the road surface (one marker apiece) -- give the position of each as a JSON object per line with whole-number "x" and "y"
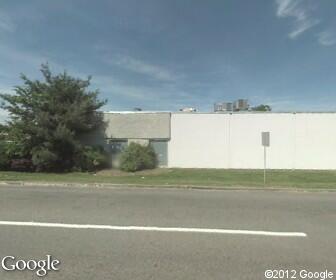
{"x": 120, "y": 253}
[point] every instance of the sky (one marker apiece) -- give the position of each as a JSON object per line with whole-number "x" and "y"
{"x": 169, "y": 54}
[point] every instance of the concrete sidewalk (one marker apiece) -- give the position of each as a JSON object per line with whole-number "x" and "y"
{"x": 165, "y": 186}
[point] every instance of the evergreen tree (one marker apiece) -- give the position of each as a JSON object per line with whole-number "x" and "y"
{"x": 262, "y": 108}
{"x": 47, "y": 118}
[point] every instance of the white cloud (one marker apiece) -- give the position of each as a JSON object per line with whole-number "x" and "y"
{"x": 6, "y": 24}
{"x": 303, "y": 26}
{"x": 14, "y": 55}
{"x": 112, "y": 86}
{"x": 142, "y": 67}
{"x": 299, "y": 12}
{"x": 117, "y": 88}
{"x": 327, "y": 38}
{"x": 3, "y": 116}
{"x": 6, "y": 89}
{"x": 15, "y": 61}
{"x": 120, "y": 92}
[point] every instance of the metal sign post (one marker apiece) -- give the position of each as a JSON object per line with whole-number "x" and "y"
{"x": 265, "y": 141}
{"x": 264, "y": 165}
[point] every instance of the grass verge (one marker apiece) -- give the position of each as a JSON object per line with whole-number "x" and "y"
{"x": 298, "y": 179}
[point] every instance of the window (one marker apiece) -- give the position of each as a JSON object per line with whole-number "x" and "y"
{"x": 117, "y": 146}
{"x": 161, "y": 149}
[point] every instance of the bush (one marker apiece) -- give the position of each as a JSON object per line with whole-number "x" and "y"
{"x": 43, "y": 159}
{"x": 4, "y": 157}
{"x": 11, "y": 159}
{"x": 91, "y": 159}
{"x": 21, "y": 164}
{"x": 137, "y": 157}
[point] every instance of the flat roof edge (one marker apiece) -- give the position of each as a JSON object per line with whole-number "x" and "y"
{"x": 136, "y": 112}
{"x": 219, "y": 113}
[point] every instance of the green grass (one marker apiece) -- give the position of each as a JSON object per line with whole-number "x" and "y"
{"x": 195, "y": 177}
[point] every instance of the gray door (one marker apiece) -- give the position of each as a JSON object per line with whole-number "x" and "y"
{"x": 161, "y": 149}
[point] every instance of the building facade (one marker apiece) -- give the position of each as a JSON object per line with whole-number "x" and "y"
{"x": 241, "y": 105}
{"x": 232, "y": 140}
{"x": 223, "y": 107}
{"x": 144, "y": 128}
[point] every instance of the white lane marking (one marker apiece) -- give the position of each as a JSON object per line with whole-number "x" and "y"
{"x": 149, "y": 228}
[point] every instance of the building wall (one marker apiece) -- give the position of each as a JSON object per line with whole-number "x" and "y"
{"x": 141, "y": 125}
{"x": 298, "y": 141}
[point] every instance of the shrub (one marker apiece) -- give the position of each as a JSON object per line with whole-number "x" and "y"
{"x": 4, "y": 157}
{"x": 44, "y": 159}
{"x": 21, "y": 164}
{"x": 90, "y": 159}
{"x": 137, "y": 157}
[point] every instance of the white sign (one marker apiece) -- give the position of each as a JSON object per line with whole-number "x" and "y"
{"x": 265, "y": 139}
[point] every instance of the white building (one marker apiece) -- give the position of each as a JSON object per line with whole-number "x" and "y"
{"x": 210, "y": 140}
{"x": 223, "y": 107}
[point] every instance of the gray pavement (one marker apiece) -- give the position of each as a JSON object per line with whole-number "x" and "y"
{"x": 106, "y": 254}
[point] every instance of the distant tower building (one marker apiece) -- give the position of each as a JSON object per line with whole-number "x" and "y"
{"x": 241, "y": 105}
{"x": 223, "y": 107}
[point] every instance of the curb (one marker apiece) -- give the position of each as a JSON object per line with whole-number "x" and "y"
{"x": 145, "y": 186}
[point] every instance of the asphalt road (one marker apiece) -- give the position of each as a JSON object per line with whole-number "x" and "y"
{"x": 109, "y": 254}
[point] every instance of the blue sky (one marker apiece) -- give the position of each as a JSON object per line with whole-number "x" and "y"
{"x": 167, "y": 54}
